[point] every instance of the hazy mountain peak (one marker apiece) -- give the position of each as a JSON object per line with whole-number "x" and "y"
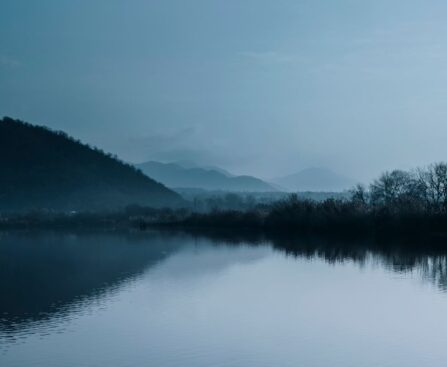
{"x": 190, "y": 164}
{"x": 175, "y": 175}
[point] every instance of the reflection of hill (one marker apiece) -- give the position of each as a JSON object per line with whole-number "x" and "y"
{"x": 43, "y": 274}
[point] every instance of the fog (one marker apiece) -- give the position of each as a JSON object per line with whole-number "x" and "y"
{"x": 254, "y": 86}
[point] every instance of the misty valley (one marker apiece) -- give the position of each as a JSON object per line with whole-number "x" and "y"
{"x": 53, "y": 180}
{"x": 172, "y": 264}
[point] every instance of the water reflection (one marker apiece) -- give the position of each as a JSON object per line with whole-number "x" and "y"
{"x": 48, "y": 274}
{"x": 43, "y": 273}
{"x": 427, "y": 258}
{"x": 166, "y": 297}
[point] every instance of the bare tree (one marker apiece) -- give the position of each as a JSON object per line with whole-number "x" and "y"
{"x": 434, "y": 181}
{"x": 360, "y": 196}
{"x": 398, "y": 190}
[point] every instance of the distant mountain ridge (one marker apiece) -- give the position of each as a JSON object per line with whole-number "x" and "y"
{"x": 189, "y": 164}
{"x": 44, "y": 169}
{"x": 175, "y": 175}
{"x": 315, "y": 179}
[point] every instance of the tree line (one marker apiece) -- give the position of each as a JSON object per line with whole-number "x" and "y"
{"x": 423, "y": 190}
{"x": 400, "y": 202}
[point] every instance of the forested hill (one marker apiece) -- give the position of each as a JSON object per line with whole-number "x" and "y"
{"x": 44, "y": 169}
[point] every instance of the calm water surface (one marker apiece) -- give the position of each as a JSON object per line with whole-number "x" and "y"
{"x": 167, "y": 299}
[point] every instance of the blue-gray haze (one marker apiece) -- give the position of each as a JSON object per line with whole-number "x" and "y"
{"x": 255, "y": 86}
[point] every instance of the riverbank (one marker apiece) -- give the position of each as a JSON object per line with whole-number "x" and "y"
{"x": 345, "y": 218}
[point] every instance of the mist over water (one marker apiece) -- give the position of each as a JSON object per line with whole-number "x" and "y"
{"x": 174, "y": 299}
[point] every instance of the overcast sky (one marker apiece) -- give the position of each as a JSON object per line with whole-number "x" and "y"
{"x": 255, "y": 86}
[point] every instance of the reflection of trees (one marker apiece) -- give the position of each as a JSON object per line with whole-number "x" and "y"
{"x": 428, "y": 259}
{"x": 434, "y": 269}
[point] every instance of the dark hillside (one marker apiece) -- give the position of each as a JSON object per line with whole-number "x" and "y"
{"x": 44, "y": 169}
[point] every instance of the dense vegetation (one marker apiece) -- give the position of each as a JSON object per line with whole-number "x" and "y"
{"x": 44, "y": 169}
{"x": 398, "y": 202}
{"x": 202, "y": 201}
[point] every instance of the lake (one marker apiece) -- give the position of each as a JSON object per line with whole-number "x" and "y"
{"x": 177, "y": 299}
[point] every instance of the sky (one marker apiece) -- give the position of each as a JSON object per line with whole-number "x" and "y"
{"x": 254, "y": 86}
